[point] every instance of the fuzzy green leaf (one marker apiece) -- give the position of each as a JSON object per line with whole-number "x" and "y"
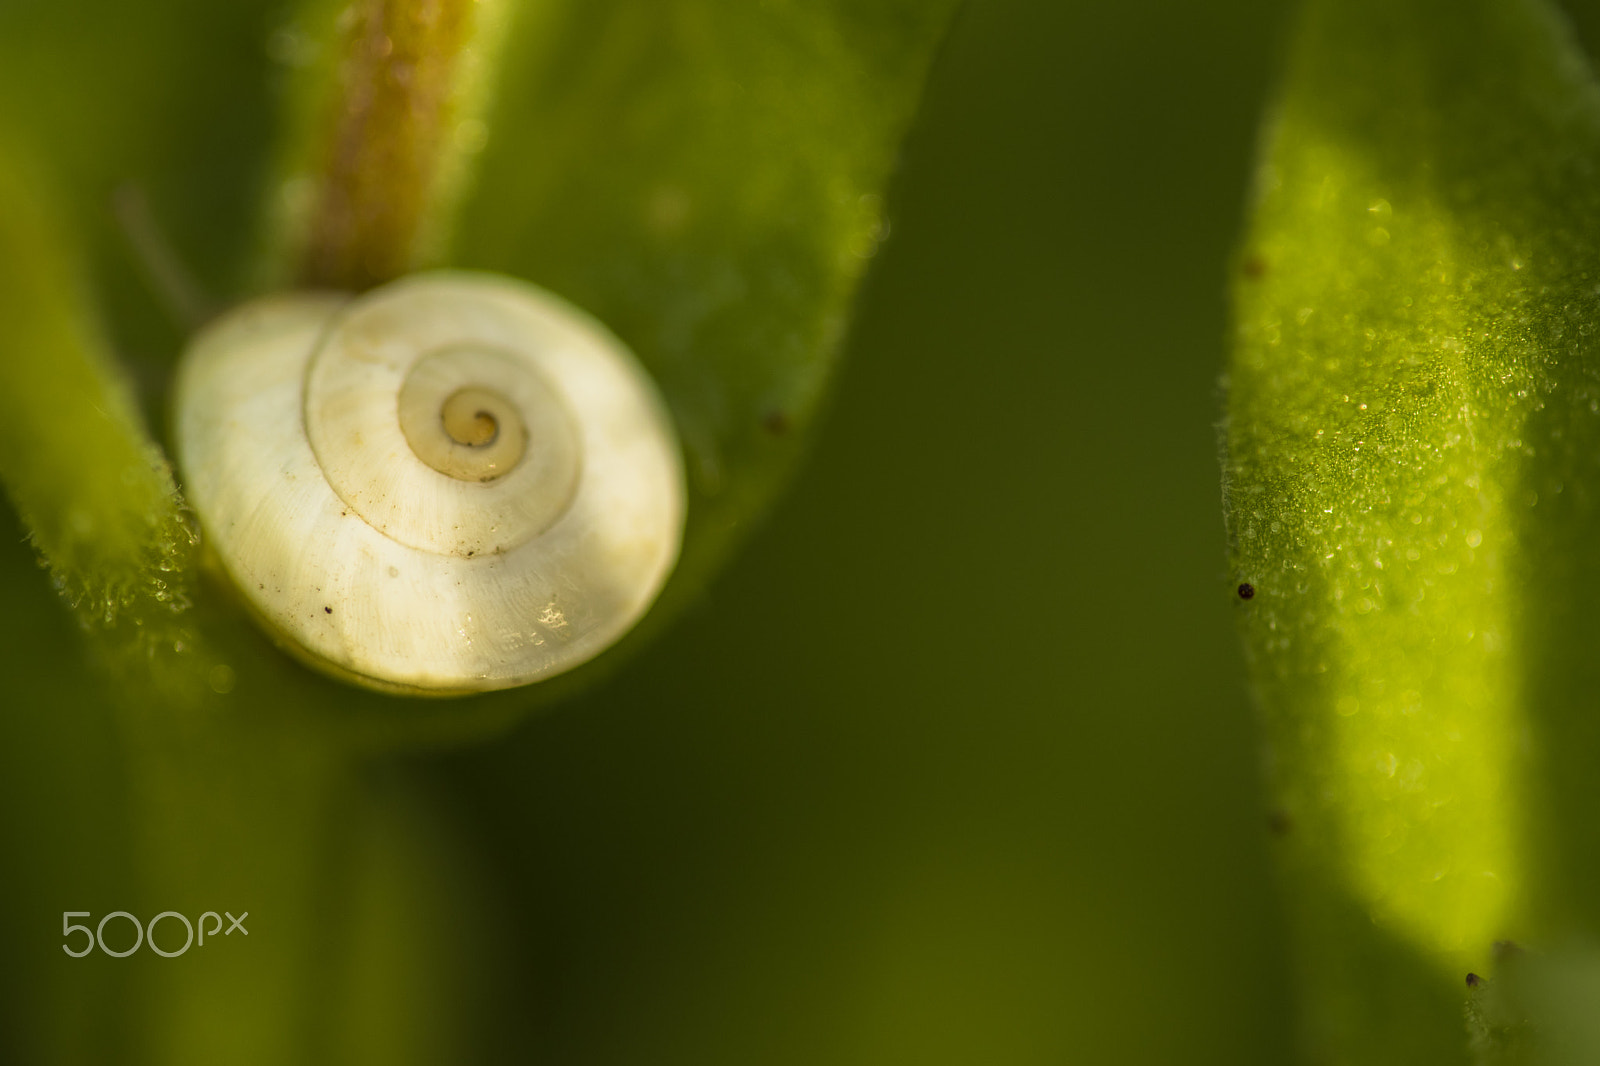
{"x": 1414, "y": 494}
{"x": 75, "y": 459}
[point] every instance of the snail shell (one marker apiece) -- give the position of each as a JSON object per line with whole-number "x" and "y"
{"x": 454, "y": 483}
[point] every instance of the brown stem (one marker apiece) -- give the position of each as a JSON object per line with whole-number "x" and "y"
{"x": 380, "y": 150}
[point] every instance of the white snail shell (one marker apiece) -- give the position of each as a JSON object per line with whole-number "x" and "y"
{"x": 454, "y": 483}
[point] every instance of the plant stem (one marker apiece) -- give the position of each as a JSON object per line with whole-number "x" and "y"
{"x": 95, "y": 492}
{"x": 389, "y": 145}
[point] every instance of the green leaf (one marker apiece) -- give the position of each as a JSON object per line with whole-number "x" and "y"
{"x": 1413, "y": 491}
{"x": 708, "y": 179}
{"x": 92, "y": 487}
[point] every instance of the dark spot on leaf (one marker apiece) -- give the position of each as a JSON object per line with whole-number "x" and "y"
{"x": 775, "y": 422}
{"x": 1473, "y": 980}
{"x": 1279, "y": 823}
{"x": 1246, "y": 591}
{"x": 1506, "y": 948}
{"x": 328, "y": 610}
{"x": 1254, "y": 267}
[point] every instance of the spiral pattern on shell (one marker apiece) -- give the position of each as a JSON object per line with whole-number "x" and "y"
{"x": 454, "y": 483}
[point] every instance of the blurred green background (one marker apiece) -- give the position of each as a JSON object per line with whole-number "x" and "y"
{"x": 953, "y": 764}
